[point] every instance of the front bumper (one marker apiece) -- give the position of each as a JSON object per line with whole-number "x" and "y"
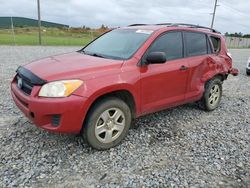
{"x": 64, "y": 115}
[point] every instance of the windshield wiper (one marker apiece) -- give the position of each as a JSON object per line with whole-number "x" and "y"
{"x": 92, "y": 54}
{"x": 96, "y": 55}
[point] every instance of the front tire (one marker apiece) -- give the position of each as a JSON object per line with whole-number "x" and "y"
{"x": 107, "y": 123}
{"x": 212, "y": 95}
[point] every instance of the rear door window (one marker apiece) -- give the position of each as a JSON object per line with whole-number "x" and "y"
{"x": 196, "y": 44}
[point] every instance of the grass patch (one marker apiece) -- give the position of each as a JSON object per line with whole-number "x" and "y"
{"x": 50, "y": 36}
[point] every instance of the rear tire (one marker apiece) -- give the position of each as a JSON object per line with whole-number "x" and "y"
{"x": 107, "y": 123}
{"x": 212, "y": 95}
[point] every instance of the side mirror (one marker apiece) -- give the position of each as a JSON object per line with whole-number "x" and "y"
{"x": 156, "y": 58}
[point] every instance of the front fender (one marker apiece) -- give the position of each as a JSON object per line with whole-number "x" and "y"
{"x": 95, "y": 88}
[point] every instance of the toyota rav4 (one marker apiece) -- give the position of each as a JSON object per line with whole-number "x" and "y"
{"x": 123, "y": 74}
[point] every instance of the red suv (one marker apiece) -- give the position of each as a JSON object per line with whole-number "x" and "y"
{"x": 123, "y": 74}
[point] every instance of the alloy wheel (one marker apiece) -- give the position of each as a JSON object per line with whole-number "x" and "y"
{"x": 110, "y": 125}
{"x": 214, "y": 95}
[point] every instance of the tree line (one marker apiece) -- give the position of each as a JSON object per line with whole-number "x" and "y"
{"x": 237, "y": 35}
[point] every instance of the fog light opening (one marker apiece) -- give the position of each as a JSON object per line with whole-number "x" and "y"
{"x": 55, "y": 120}
{"x": 32, "y": 115}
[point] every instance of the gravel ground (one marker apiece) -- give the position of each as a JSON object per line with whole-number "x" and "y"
{"x": 180, "y": 147}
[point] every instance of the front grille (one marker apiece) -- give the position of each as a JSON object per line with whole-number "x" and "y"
{"x": 26, "y": 86}
{"x": 26, "y": 80}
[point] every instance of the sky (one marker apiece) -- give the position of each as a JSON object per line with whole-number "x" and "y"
{"x": 231, "y": 15}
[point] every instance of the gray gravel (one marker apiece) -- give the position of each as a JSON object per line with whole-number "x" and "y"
{"x": 180, "y": 147}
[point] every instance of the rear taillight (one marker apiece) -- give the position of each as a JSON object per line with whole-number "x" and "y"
{"x": 229, "y": 55}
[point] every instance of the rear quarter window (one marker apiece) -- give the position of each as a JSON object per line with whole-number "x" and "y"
{"x": 216, "y": 42}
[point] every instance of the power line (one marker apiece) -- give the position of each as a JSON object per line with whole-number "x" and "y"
{"x": 236, "y": 10}
{"x": 229, "y": 8}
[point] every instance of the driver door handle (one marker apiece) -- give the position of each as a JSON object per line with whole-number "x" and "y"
{"x": 183, "y": 67}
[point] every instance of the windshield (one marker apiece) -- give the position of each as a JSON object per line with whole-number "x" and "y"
{"x": 118, "y": 44}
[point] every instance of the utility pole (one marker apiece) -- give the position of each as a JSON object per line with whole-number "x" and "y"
{"x": 13, "y": 31}
{"x": 215, "y": 6}
{"x": 39, "y": 22}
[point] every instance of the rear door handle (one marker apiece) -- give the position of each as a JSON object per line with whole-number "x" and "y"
{"x": 182, "y": 68}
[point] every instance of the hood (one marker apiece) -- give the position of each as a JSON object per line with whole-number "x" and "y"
{"x": 73, "y": 66}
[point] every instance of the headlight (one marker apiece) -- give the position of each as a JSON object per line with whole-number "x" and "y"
{"x": 62, "y": 88}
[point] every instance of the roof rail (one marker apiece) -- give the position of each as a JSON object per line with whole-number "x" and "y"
{"x": 180, "y": 24}
{"x": 136, "y": 25}
{"x": 195, "y": 26}
{"x": 164, "y": 24}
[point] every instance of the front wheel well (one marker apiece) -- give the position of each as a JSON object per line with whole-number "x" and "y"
{"x": 127, "y": 97}
{"x": 124, "y": 95}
